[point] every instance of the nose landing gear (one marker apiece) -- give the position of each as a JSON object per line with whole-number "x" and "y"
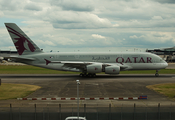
{"x": 157, "y": 74}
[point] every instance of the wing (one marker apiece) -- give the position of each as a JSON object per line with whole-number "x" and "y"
{"x": 82, "y": 65}
{"x": 71, "y": 64}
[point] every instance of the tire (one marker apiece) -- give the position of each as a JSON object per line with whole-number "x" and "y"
{"x": 157, "y": 75}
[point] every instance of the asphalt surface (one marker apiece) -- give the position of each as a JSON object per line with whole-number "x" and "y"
{"x": 171, "y": 66}
{"x": 102, "y": 86}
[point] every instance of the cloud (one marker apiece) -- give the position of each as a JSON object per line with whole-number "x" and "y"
{"x": 5, "y": 41}
{"x": 156, "y": 37}
{"x": 157, "y": 18}
{"x": 32, "y": 6}
{"x": 47, "y": 43}
{"x": 116, "y": 25}
{"x": 133, "y": 37}
{"x": 158, "y": 34}
{"x": 63, "y": 24}
{"x": 1, "y": 14}
{"x": 165, "y": 1}
{"x": 77, "y": 20}
{"x": 78, "y": 5}
{"x": 98, "y": 36}
{"x": 8, "y": 5}
{"x": 155, "y": 21}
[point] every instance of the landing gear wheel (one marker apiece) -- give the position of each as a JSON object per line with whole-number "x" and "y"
{"x": 157, "y": 74}
{"x": 94, "y": 75}
{"x": 81, "y": 74}
{"x": 85, "y": 74}
{"x": 89, "y": 75}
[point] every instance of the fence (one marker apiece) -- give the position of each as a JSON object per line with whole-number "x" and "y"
{"x": 91, "y": 112}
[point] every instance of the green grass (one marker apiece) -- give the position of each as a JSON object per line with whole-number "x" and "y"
{"x": 13, "y": 91}
{"x": 167, "y": 89}
{"x": 27, "y": 69}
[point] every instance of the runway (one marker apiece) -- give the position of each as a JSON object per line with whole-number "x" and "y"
{"x": 122, "y": 85}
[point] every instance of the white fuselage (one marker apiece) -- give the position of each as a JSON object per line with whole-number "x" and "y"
{"x": 132, "y": 61}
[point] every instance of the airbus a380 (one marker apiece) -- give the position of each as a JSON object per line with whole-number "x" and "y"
{"x": 87, "y": 63}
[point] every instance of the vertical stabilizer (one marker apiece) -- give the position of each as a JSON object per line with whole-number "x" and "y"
{"x": 22, "y": 42}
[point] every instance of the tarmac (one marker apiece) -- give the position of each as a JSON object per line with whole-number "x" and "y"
{"x": 171, "y": 66}
{"x": 122, "y": 85}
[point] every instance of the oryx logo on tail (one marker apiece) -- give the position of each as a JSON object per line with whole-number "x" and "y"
{"x": 21, "y": 42}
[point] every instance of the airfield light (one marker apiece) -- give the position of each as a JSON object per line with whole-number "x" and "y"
{"x": 78, "y": 83}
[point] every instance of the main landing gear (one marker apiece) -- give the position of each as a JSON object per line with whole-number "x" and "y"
{"x": 157, "y": 74}
{"x": 87, "y": 75}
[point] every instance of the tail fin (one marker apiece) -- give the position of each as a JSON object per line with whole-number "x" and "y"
{"x": 22, "y": 42}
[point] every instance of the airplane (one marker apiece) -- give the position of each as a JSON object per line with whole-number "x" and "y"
{"x": 87, "y": 63}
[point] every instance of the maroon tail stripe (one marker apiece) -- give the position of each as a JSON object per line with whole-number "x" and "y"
{"x": 15, "y": 31}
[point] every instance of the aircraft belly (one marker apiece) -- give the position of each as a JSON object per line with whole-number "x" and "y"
{"x": 146, "y": 66}
{"x": 51, "y": 66}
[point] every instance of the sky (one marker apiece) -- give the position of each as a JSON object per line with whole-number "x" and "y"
{"x": 91, "y": 25}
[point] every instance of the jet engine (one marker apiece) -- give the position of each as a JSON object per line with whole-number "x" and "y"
{"x": 94, "y": 68}
{"x": 112, "y": 70}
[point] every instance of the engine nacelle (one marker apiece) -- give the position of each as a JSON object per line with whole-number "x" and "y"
{"x": 94, "y": 68}
{"x": 112, "y": 70}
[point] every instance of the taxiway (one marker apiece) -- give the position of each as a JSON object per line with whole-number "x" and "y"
{"x": 54, "y": 86}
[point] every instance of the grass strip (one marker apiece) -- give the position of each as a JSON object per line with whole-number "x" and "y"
{"x": 167, "y": 89}
{"x": 13, "y": 91}
{"x": 28, "y": 69}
